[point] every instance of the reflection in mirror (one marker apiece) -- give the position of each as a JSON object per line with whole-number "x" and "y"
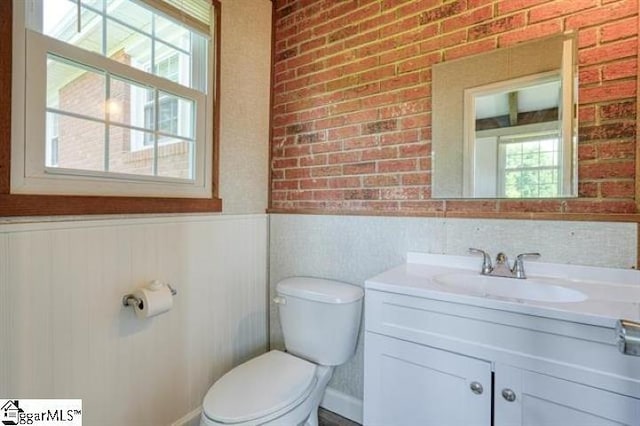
{"x": 504, "y": 122}
{"x": 513, "y": 142}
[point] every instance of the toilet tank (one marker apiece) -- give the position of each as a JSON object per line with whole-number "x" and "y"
{"x": 320, "y": 318}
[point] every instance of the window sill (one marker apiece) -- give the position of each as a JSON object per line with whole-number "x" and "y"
{"x": 54, "y": 205}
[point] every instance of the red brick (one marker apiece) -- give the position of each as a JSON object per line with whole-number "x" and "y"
{"x": 314, "y": 183}
{"x": 470, "y": 49}
{"x": 589, "y": 75}
{"x": 608, "y": 52}
{"x": 416, "y": 179}
{"x": 380, "y": 153}
{"x": 442, "y": 42}
{"x": 508, "y": 6}
{"x": 467, "y": 19}
{"x": 470, "y": 206}
{"x": 397, "y": 166}
{"x": 415, "y": 150}
{"x": 587, "y": 38}
{"x": 618, "y": 110}
{"x": 618, "y": 189}
{"x": 284, "y": 163}
{"x": 326, "y": 171}
{"x": 530, "y": 32}
{"x": 360, "y": 142}
{"x": 587, "y": 114}
{"x": 618, "y": 70}
{"x": 607, "y": 92}
{"x": 526, "y": 206}
{"x": 497, "y": 26}
{"x": 400, "y": 193}
{"x": 618, "y": 150}
{"x": 344, "y": 182}
{"x": 344, "y": 132}
{"x": 559, "y": 8}
{"x": 600, "y": 206}
{"x": 588, "y": 189}
{"x": 381, "y": 180}
{"x": 313, "y": 160}
{"x": 345, "y": 157}
{"x": 359, "y": 169}
{"x": 606, "y": 170}
{"x": 298, "y": 173}
{"x": 618, "y": 30}
{"x": 612, "y": 12}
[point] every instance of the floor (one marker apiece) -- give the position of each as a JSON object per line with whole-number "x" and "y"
{"x": 329, "y": 418}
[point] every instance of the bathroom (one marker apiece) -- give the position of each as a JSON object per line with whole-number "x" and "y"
{"x": 322, "y": 167}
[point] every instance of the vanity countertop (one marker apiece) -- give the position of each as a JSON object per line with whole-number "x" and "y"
{"x": 610, "y": 294}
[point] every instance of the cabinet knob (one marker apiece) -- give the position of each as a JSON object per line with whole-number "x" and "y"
{"x": 509, "y": 395}
{"x": 476, "y": 388}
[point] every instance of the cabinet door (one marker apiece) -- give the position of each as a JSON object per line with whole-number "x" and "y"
{"x": 410, "y": 384}
{"x": 542, "y": 400}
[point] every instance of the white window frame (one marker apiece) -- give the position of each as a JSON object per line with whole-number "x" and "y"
{"x": 29, "y": 173}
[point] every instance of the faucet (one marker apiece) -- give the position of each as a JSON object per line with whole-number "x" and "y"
{"x": 501, "y": 268}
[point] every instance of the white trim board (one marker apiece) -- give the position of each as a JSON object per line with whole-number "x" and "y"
{"x": 343, "y": 404}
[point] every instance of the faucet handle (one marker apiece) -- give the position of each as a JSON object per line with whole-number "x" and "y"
{"x": 486, "y": 261}
{"x": 518, "y": 265}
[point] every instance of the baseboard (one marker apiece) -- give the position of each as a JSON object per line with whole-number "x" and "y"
{"x": 190, "y": 419}
{"x": 343, "y": 404}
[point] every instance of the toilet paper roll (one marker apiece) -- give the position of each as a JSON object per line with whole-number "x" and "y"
{"x": 155, "y": 299}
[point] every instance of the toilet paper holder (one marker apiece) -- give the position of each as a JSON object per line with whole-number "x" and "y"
{"x": 130, "y": 299}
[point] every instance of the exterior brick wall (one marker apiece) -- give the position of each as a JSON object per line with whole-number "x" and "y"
{"x": 352, "y": 99}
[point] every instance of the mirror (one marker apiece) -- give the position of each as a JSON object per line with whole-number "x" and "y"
{"x": 504, "y": 123}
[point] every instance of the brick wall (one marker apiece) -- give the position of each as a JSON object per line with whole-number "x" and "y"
{"x": 352, "y": 98}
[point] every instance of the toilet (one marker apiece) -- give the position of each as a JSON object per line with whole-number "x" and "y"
{"x": 320, "y": 321}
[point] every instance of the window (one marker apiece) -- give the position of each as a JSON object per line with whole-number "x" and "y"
{"x": 530, "y": 165}
{"x": 119, "y": 96}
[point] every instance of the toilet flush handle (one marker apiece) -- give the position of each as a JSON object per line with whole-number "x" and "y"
{"x": 279, "y": 300}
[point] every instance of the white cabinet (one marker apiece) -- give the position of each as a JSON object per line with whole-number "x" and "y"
{"x": 410, "y": 384}
{"x": 424, "y": 356}
{"x": 544, "y": 400}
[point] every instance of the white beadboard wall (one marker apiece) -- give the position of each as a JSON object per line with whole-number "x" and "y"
{"x": 65, "y": 334}
{"x": 353, "y": 248}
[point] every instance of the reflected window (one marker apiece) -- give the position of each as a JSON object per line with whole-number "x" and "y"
{"x": 530, "y": 165}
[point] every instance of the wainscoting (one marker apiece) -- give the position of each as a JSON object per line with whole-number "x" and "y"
{"x": 65, "y": 334}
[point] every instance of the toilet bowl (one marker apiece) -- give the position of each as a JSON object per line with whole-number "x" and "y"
{"x": 320, "y": 321}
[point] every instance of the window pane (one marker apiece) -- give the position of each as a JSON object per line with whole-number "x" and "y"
{"x": 175, "y": 159}
{"x": 173, "y": 33}
{"x": 176, "y": 115}
{"x": 128, "y": 46}
{"x": 134, "y": 15}
{"x": 172, "y": 64}
{"x": 131, "y": 104}
{"x": 124, "y": 157}
{"x": 60, "y": 21}
{"x": 75, "y": 88}
{"x": 80, "y": 143}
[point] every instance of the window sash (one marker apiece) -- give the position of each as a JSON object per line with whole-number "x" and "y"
{"x": 82, "y": 182}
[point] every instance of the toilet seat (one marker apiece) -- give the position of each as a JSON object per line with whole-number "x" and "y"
{"x": 263, "y": 388}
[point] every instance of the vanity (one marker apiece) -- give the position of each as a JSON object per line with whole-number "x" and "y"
{"x": 445, "y": 345}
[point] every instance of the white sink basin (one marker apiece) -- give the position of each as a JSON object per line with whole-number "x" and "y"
{"x": 527, "y": 289}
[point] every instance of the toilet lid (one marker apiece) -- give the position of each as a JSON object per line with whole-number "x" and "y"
{"x": 260, "y": 387}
